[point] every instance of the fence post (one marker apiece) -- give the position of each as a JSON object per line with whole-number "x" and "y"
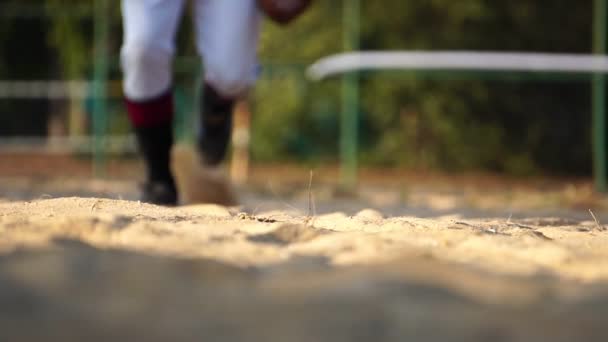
{"x": 100, "y": 115}
{"x": 600, "y": 157}
{"x": 183, "y": 110}
{"x": 349, "y": 120}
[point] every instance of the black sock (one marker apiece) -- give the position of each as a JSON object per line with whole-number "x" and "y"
{"x": 216, "y": 126}
{"x": 155, "y": 144}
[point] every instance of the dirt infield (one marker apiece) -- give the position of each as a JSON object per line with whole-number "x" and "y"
{"x": 411, "y": 256}
{"x": 103, "y": 269}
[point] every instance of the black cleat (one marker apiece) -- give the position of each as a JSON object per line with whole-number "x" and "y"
{"x": 159, "y": 193}
{"x": 215, "y": 127}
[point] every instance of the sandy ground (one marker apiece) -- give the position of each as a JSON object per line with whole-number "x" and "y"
{"x": 422, "y": 265}
{"x": 100, "y": 269}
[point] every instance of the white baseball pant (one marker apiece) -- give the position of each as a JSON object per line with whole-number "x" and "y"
{"x": 226, "y": 38}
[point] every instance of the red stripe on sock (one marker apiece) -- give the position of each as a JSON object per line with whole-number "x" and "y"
{"x": 152, "y": 112}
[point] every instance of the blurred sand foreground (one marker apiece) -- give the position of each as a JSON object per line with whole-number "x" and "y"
{"x": 75, "y": 269}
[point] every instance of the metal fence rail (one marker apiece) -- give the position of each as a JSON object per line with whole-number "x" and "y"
{"x": 114, "y": 144}
{"x": 457, "y": 60}
{"x": 43, "y": 89}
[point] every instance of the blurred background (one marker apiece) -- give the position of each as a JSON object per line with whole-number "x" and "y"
{"x": 60, "y": 91}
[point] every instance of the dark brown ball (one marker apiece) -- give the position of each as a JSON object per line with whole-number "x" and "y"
{"x": 283, "y": 11}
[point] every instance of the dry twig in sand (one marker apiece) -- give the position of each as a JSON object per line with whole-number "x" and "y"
{"x": 597, "y": 222}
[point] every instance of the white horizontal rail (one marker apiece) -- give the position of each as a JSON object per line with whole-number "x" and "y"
{"x": 53, "y": 89}
{"x": 45, "y": 89}
{"x": 66, "y": 144}
{"x": 451, "y": 60}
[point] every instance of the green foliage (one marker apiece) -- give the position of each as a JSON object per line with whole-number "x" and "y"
{"x": 519, "y": 127}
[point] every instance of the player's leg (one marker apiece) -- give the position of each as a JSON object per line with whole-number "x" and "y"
{"x": 146, "y": 55}
{"x": 227, "y": 36}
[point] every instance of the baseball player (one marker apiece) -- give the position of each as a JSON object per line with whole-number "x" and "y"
{"x": 226, "y": 38}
